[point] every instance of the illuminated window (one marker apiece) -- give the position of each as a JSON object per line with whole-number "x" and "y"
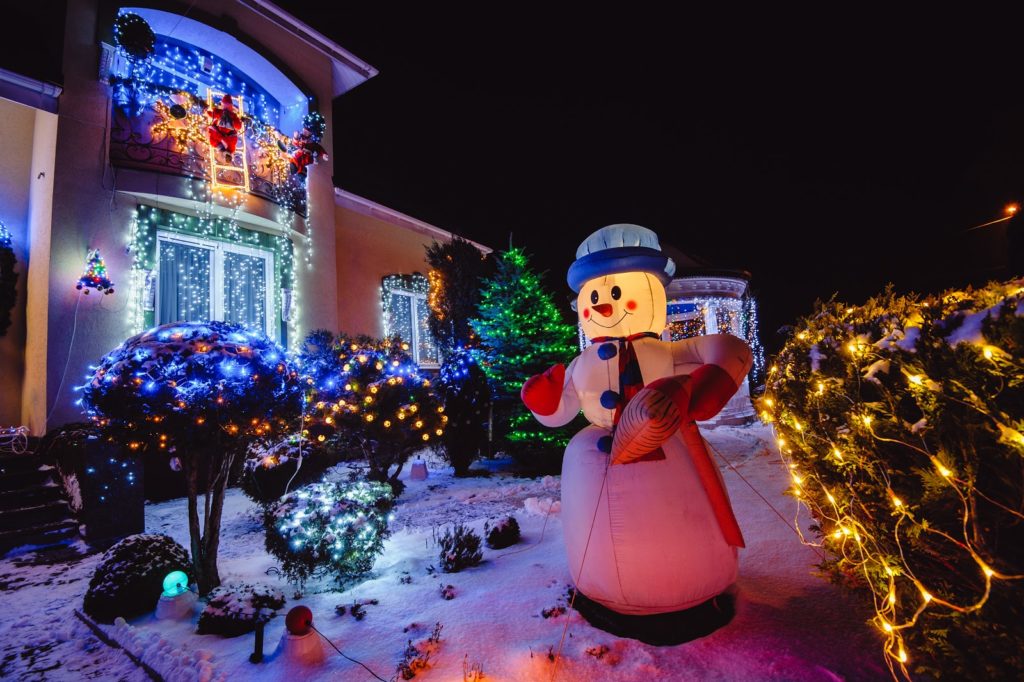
{"x": 201, "y": 279}
{"x": 406, "y": 314}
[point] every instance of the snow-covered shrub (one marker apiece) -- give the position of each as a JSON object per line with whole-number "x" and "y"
{"x": 460, "y": 549}
{"x": 902, "y": 419}
{"x": 129, "y": 579}
{"x": 416, "y": 657}
{"x": 236, "y": 608}
{"x": 204, "y": 391}
{"x": 335, "y": 529}
{"x": 504, "y": 533}
{"x": 368, "y": 396}
{"x": 289, "y": 462}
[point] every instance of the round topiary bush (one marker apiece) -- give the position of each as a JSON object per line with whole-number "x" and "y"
{"x": 504, "y": 533}
{"x": 235, "y": 609}
{"x": 129, "y": 579}
{"x": 335, "y": 529}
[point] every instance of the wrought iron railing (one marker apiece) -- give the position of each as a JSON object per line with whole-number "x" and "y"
{"x": 133, "y": 144}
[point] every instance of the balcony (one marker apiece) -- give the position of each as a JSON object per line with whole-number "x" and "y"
{"x": 133, "y": 144}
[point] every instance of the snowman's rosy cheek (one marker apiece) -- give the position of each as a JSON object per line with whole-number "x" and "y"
{"x": 630, "y": 305}
{"x": 586, "y": 313}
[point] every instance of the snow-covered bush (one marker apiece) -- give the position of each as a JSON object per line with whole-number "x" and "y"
{"x": 460, "y": 549}
{"x": 368, "y": 396}
{"x": 129, "y": 579}
{"x": 902, "y": 420}
{"x": 335, "y": 529}
{"x": 236, "y": 608}
{"x": 204, "y": 391}
{"x": 504, "y": 533}
{"x": 289, "y": 462}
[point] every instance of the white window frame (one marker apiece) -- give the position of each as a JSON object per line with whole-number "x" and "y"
{"x": 219, "y": 249}
{"x": 414, "y": 342}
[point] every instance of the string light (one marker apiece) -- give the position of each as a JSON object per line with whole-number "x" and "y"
{"x": 406, "y": 313}
{"x": 890, "y": 554}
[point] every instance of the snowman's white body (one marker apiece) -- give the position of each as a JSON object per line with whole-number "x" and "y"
{"x": 641, "y": 537}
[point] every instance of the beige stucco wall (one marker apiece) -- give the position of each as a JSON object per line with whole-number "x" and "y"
{"x": 368, "y": 250}
{"x": 89, "y": 213}
{"x": 16, "y": 130}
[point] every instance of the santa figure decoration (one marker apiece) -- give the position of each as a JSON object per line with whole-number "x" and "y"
{"x": 648, "y": 525}
{"x": 307, "y": 150}
{"x": 224, "y": 127}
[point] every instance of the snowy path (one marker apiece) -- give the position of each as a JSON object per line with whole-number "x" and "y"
{"x": 790, "y": 625}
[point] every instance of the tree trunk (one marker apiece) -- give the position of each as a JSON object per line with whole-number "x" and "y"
{"x": 195, "y": 539}
{"x": 211, "y": 536}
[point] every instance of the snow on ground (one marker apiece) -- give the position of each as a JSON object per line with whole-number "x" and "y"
{"x": 791, "y": 624}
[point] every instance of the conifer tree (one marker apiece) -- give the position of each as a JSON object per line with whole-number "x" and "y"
{"x": 522, "y": 332}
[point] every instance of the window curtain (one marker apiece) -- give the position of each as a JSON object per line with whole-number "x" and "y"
{"x": 184, "y": 283}
{"x": 245, "y": 290}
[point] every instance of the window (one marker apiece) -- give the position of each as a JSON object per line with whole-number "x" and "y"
{"x": 406, "y": 314}
{"x": 200, "y": 279}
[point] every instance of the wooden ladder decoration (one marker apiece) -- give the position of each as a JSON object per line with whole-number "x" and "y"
{"x": 230, "y": 170}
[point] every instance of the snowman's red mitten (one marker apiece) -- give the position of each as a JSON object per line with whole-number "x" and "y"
{"x": 710, "y": 389}
{"x": 542, "y": 393}
{"x": 650, "y": 418}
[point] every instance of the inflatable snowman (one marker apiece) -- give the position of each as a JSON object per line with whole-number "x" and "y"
{"x": 648, "y": 524}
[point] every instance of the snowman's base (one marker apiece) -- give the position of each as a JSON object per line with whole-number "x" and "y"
{"x": 660, "y": 629}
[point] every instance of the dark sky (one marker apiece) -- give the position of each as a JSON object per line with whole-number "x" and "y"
{"x": 828, "y": 160}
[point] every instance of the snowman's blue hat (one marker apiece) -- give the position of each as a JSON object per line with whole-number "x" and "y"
{"x": 620, "y": 248}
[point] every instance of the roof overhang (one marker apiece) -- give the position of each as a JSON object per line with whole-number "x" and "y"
{"x": 368, "y": 207}
{"x": 349, "y": 70}
{"x": 29, "y": 91}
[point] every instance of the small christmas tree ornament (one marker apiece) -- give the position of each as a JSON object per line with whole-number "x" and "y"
{"x": 95, "y": 275}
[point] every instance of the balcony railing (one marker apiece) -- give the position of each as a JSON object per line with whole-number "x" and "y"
{"x": 134, "y": 145}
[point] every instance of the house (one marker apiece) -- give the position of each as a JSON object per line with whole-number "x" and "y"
{"x": 186, "y": 153}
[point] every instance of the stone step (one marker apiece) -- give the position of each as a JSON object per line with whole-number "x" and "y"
{"x": 10, "y": 464}
{"x": 27, "y": 497}
{"x": 34, "y": 515}
{"x": 40, "y": 535}
{"x": 26, "y": 479}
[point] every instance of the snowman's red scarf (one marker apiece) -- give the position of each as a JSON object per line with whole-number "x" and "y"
{"x": 630, "y": 383}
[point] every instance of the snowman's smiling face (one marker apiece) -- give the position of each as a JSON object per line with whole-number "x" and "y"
{"x": 621, "y": 304}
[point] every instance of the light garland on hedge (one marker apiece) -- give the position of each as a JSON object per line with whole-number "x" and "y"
{"x": 820, "y": 446}
{"x": 333, "y": 527}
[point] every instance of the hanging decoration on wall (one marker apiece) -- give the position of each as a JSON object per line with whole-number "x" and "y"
{"x": 673, "y": 541}
{"x": 95, "y": 275}
{"x": 8, "y": 278}
{"x": 135, "y": 43}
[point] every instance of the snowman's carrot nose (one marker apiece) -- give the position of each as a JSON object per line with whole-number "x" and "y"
{"x": 605, "y": 309}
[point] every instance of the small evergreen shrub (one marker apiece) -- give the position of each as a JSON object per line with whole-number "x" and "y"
{"x": 335, "y": 529}
{"x": 460, "y": 549}
{"x": 235, "y": 609}
{"x": 504, "y": 533}
{"x": 129, "y": 580}
{"x": 902, "y": 420}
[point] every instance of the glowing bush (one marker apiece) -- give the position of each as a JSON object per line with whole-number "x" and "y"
{"x": 902, "y": 420}
{"x": 335, "y": 529}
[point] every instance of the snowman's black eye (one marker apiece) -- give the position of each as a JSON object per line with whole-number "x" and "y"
{"x": 616, "y": 293}
{"x": 593, "y": 296}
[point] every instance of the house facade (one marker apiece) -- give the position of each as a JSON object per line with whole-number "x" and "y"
{"x": 185, "y": 158}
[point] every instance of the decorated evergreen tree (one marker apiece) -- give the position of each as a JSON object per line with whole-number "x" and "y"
{"x": 369, "y": 394}
{"x": 522, "y": 333}
{"x": 203, "y": 392}
{"x": 456, "y": 268}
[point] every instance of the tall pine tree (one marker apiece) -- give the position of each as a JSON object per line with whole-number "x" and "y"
{"x": 522, "y": 333}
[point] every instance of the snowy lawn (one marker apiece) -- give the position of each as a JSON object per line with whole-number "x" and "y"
{"x": 790, "y": 623}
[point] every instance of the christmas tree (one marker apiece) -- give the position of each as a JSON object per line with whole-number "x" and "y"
{"x": 522, "y": 333}
{"x": 95, "y": 275}
{"x": 456, "y": 268}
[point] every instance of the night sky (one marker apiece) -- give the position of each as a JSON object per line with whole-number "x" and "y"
{"x": 832, "y": 161}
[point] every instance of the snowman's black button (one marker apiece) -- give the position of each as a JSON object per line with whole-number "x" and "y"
{"x": 607, "y": 351}
{"x": 604, "y": 444}
{"x": 609, "y": 400}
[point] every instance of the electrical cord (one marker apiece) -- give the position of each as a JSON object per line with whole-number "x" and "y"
{"x": 313, "y": 627}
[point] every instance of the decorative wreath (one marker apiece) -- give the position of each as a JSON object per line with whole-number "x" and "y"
{"x": 133, "y": 35}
